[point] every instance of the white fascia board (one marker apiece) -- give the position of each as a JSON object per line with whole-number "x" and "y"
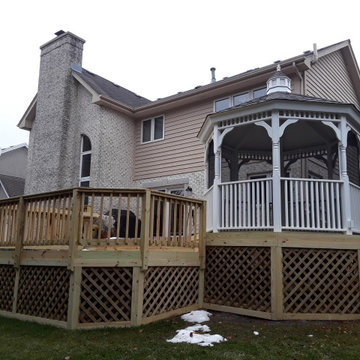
{"x": 28, "y": 118}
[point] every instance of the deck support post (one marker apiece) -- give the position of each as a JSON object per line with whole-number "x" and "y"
{"x": 277, "y": 307}
{"x": 20, "y": 229}
{"x": 217, "y": 180}
{"x": 137, "y": 296}
{"x": 346, "y": 200}
{"x": 74, "y": 298}
{"x": 74, "y": 229}
{"x": 145, "y": 229}
{"x": 202, "y": 252}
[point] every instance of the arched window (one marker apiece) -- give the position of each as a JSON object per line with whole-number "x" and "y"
{"x": 85, "y": 161}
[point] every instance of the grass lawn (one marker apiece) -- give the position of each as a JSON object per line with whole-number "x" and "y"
{"x": 276, "y": 340}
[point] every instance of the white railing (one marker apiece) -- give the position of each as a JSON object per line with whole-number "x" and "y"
{"x": 355, "y": 207}
{"x": 208, "y": 196}
{"x": 246, "y": 204}
{"x": 312, "y": 204}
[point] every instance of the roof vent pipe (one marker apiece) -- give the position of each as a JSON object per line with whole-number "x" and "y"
{"x": 213, "y": 79}
{"x": 316, "y": 55}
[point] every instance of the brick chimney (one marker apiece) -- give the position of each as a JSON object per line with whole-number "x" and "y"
{"x": 51, "y": 126}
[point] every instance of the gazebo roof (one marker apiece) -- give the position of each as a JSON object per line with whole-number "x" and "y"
{"x": 279, "y": 101}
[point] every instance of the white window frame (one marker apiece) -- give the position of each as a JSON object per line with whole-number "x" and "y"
{"x": 231, "y": 97}
{"x": 82, "y": 154}
{"x": 152, "y": 129}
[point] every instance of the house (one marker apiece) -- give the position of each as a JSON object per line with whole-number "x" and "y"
{"x": 274, "y": 151}
{"x": 13, "y": 170}
{"x": 88, "y": 131}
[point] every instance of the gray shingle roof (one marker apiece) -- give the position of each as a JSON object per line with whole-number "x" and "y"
{"x": 105, "y": 87}
{"x": 286, "y": 96}
{"x": 14, "y": 186}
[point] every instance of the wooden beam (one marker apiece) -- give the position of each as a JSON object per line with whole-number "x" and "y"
{"x": 145, "y": 224}
{"x": 74, "y": 228}
{"x": 137, "y": 295}
{"x": 276, "y": 283}
{"x": 19, "y": 231}
{"x": 74, "y": 298}
{"x": 240, "y": 311}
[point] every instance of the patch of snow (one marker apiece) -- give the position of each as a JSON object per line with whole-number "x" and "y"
{"x": 256, "y": 333}
{"x": 196, "y": 316}
{"x": 191, "y": 335}
{"x": 310, "y": 335}
{"x": 85, "y": 249}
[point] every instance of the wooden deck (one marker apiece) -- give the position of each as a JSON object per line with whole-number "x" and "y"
{"x": 62, "y": 264}
{"x": 283, "y": 276}
{"x": 64, "y": 261}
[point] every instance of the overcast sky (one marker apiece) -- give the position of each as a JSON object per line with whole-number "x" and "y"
{"x": 158, "y": 48}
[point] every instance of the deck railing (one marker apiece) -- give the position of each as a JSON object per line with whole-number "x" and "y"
{"x": 306, "y": 204}
{"x": 312, "y": 204}
{"x": 246, "y": 204}
{"x": 101, "y": 217}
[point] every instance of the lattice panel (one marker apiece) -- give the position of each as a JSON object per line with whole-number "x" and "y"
{"x": 238, "y": 277}
{"x": 168, "y": 288}
{"x": 321, "y": 281}
{"x": 7, "y": 283}
{"x": 44, "y": 292}
{"x": 105, "y": 295}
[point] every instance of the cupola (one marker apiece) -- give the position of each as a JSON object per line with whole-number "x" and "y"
{"x": 278, "y": 82}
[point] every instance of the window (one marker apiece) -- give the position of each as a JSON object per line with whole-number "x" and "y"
{"x": 259, "y": 93}
{"x": 85, "y": 161}
{"x": 234, "y": 100}
{"x": 152, "y": 129}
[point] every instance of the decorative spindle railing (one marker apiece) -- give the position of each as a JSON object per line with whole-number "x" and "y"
{"x": 312, "y": 204}
{"x": 246, "y": 204}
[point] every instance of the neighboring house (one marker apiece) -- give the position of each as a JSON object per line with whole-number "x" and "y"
{"x": 86, "y": 130}
{"x": 13, "y": 162}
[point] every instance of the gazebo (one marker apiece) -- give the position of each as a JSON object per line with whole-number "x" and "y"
{"x": 283, "y": 162}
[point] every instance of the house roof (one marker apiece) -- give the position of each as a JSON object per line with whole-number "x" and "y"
{"x": 13, "y": 186}
{"x": 105, "y": 87}
{"x": 110, "y": 94}
{"x": 12, "y": 148}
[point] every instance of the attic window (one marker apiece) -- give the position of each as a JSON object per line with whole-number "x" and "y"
{"x": 152, "y": 129}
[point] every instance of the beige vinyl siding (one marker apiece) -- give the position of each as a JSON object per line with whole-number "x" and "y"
{"x": 328, "y": 78}
{"x": 180, "y": 152}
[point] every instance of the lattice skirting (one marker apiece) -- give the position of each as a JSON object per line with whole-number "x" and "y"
{"x": 105, "y": 294}
{"x": 7, "y": 283}
{"x": 321, "y": 281}
{"x": 169, "y": 288}
{"x": 44, "y": 292}
{"x": 238, "y": 277}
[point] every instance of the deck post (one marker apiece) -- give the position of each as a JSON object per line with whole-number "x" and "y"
{"x": 217, "y": 180}
{"x": 277, "y": 308}
{"x": 137, "y": 296}
{"x": 20, "y": 229}
{"x": 74, "y": 298}
{"x": 74, "y": 228}
{"x": 145, "y": 224}
{"x": 276, "y": 171}
{"x": 202, "y": 252}
{"x": 346, "y": 200}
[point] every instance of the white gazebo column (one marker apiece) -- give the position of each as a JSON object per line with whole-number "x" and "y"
{"x": 276, "y": 171}
{"x": 346, "y": 200}
{"x": 217, "y": 180}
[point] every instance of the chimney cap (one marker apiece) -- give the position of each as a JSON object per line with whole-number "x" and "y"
{"x": 60, "y": 32}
